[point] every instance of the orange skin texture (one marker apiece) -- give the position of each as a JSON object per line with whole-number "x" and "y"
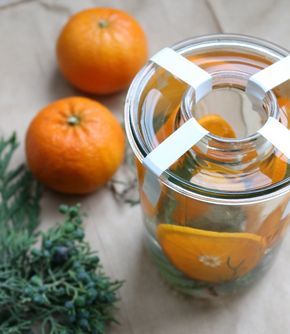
{"x": 101, "y": 59}
{"x": 74, "y": 159}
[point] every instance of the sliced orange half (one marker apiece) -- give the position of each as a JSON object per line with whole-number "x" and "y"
{"x": 210, "y": 256}
{"x": 218, "y": 126}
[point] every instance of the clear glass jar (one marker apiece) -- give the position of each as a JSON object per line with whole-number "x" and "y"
{"x": 223, "y": 206}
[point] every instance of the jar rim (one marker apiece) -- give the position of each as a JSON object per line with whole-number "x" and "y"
{"x": 270, "y": 100}
{"x": 169, "y": 178}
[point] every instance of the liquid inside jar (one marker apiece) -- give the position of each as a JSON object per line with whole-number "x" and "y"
{"x": 207, "y": 236}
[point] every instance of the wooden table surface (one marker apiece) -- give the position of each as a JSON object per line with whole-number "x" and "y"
{"x": 30, "y": 79}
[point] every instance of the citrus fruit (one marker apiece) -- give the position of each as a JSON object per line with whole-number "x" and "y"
{"x": 218, "y": 126}
{"x": 210, "y": 256}
{"x": 74, "y": 145}
{"x": 100, "y": 50}
{"x": 275, "y": 168}
{"x": 187, "y": 209}
{"x": 167, "y": 127}
{"x": 271, "y": 227}
{"x": 284, "y": 104}
{"x": 274, "y": 225}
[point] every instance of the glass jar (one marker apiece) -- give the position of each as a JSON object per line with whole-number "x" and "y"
{"x": 221, "y": 210}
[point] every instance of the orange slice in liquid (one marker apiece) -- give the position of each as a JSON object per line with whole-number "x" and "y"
{"x": 210, "y": 256}
{"x": 275, "y": 169}
{"x": 217, "y": 126}
{"x": 284, "y": 104}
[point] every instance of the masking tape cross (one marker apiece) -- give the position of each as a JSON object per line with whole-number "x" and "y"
{"x": 186, "y": 136}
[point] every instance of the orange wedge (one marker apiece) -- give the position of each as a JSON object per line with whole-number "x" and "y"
{"x": 188, "y": 209}
{"x": 210, "y": 256}
{"x": 284, "y": 104}
{"x": 218, "y": 126}
{"x": 213, "y": 123}
{"x": 274, "y": 226}
{"x": 168, "y": 127}
{"x": 275, "y": 169}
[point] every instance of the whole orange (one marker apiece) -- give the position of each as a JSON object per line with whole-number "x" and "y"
{"x": 100, "y": 50}
{"x": 74, "y": 145}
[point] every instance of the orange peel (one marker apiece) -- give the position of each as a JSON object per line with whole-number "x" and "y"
{"x": 218, "y": 126}
{"x": 210, "y": 256}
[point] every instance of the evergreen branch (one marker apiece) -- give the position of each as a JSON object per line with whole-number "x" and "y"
{"x": 59, "y": 287}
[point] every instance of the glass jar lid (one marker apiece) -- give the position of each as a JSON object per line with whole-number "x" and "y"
{"x": 233, "y": 159}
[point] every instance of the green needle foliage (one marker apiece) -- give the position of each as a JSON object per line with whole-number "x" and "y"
{"x": 57, "y": 287}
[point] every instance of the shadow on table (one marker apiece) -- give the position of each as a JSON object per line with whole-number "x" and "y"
{"x": 59, "y": 88}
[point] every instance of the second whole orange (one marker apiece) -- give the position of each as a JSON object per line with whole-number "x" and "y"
{"x": 74, "y": 145}
{"x": 100, "y": 50}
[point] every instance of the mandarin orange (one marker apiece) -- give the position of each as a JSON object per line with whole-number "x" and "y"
{"x": 100, "y": 50}
{"x": 74, "y": 145}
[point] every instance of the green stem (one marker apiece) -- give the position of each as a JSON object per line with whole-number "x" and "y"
{"x": 103, "y": 23}
{"x": 73, "y": 120}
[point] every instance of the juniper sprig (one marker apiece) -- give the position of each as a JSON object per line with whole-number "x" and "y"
{"x": 57, "y": 287}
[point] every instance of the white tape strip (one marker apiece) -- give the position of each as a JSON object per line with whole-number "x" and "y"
{"x": 174, "y": 146}
{"x": 180, "y": 141}
{"x": 277, "y": 134}
{"x": 151, "y": 187}
{"x": 268, "y": 78}
{"x": 184, "y": 70}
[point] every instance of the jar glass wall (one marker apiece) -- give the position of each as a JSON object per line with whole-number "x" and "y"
{"x": 215, "y": 219}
